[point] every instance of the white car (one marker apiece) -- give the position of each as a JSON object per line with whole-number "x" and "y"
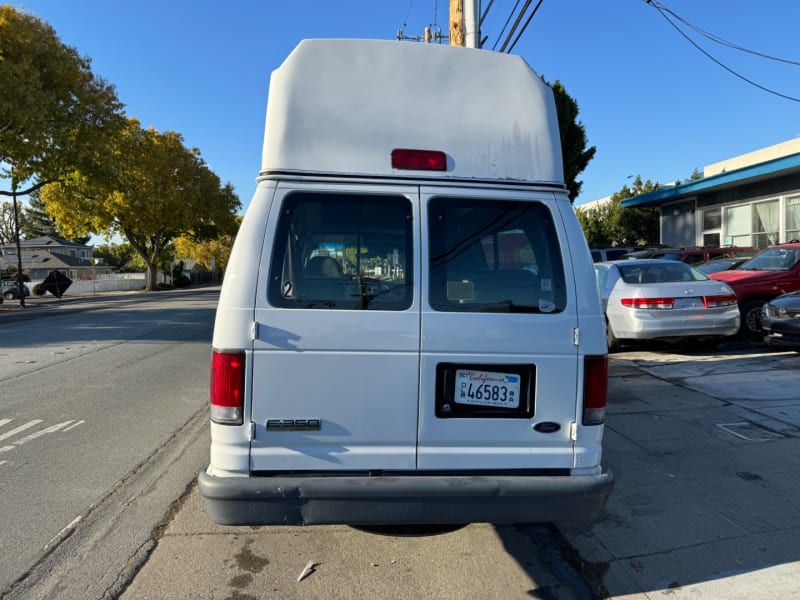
{"x": 666, "y": 300}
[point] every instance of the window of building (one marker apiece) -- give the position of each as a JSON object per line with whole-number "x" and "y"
{"x": 756, "y": 224}
{"x": 343, "y": 252}
{"x": 792, "y": 218}
{"x": 494, "y": 256}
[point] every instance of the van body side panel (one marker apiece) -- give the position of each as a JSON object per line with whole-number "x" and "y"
{"x": 230, "y": 445}
{"x": 352, "y": 373}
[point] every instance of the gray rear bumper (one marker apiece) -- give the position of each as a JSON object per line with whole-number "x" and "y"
{"x": 412, "y": 499}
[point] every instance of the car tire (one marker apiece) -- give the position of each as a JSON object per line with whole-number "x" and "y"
{"x": 611, "y": 339}
{"x": 8, "y": 295}
{"x": 751, "y": 318}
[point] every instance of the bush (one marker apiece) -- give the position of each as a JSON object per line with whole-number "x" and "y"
{"x": 38, "y": 290}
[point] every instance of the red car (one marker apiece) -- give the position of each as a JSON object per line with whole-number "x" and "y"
{"x": 770, "y": 273}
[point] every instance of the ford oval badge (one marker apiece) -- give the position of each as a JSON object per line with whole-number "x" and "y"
{"x": 547, "y": 427}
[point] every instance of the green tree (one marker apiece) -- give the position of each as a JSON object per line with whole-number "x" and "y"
{"x": 612, "y": 225}
{"x": 576, "y": 156}
{"x": 118, "y": 256}
{"x": 150, "y": 190}
{"x": 55, "y": 115}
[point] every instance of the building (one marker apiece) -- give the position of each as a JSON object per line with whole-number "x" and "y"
{"x": 43, "y": 254}
{"x": 748, "y": 200}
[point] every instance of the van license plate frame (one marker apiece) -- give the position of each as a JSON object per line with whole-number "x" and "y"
{"x": 450, "y": 404}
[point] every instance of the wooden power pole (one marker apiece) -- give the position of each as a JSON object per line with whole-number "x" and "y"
{"x": 456, "y": 22}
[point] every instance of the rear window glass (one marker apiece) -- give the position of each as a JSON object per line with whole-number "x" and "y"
{"x": 494, "y": 256}
{"x": 342, "y": 252}
{"x": 665, "y": 272}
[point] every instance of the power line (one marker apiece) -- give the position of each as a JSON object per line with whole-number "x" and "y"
{"x": 508, "y": 20}
{"x": 708, "y": 55}
{"x": 516, "y": 24}
{"x": 524, "y": 27}
{"x": 719, "y": 40}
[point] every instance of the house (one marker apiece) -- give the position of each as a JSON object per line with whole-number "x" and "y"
{"x": 43, "y": 254}
{"x": 747, "y": 200}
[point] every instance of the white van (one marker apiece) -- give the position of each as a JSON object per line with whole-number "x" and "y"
{"x": 409, "y": 329}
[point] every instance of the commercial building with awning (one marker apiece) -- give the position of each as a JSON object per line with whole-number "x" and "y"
{"x": 748, "y": 200}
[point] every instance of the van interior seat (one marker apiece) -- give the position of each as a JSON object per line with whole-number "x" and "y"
{"x": 323, "y": 266}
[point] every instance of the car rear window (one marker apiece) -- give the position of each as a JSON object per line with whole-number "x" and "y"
{"x": 342, "y": 252}
{"x": 665, "y": 272}
{"x": 490, "y": 255}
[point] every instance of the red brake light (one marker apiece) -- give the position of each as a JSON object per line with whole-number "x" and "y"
{"x": 595, "y": 389}
{"x": 649, "y": 303}
{"x": 227, "y": 387}
{"x": 419, "y": 160}
{"x": 716, "y": 301}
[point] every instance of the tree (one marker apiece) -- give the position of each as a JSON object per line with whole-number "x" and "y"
{"x": 576, "y": 155}
{"x": 118, "y": 256}
{"x": 150, "y": 190}
{"x": 54, "y": 113}
{"x": 211, "y": 254}
{"x": 612, "y": 225}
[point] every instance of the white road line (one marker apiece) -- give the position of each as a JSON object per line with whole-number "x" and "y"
{"x": 6, "y": 448}
{"x": 4, "y": 421}
{"x": 75, "y": 424}
{"x": 41, "y": 432}
{"x": 2, "y": 462}
{"x": 21, "y": 428}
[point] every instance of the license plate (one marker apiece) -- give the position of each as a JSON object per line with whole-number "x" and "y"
{"x": 487, "y": 388}
{"x": 688, "y": 303}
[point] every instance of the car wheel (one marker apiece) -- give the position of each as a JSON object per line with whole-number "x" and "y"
{"x": 751, "y": 318}
{"x": 8, "y": 295}
{"x": 611, "y": 339}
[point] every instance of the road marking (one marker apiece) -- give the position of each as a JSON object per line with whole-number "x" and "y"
{"x": 6, "y": 448}
{"x": 81, "y": 422}
{"x": 41, "y": 432}
{"x": 19, "y": 429}
{"x": 4, "y": 421}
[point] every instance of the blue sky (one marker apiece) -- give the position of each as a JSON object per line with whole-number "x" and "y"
{"x": 652, "y": 104}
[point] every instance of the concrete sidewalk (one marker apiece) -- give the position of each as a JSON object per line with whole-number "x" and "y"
{"x": 706, "y": 454}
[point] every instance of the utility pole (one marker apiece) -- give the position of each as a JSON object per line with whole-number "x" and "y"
{"x": 456, "y": 22}
{"x": 464, "y": 29}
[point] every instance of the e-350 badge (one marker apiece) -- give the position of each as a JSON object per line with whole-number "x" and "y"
{"x": 293, "y": 424}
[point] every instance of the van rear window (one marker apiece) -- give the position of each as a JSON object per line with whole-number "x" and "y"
{"x": 494, "y": 256}
{"x": 342, "y": 252}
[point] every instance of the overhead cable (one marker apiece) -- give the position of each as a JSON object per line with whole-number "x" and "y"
{"x": 707, "y": 54}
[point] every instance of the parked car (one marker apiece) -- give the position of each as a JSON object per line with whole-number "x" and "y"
{"x": 612, "y": 253}
{"x": 780, "y": 320}
{"x": 720, "y": 264}
{"x": 665, "y": 300}
{"x": 694, "y": 255}
{"x": 12, "y": 292}
{"x": 769, "y": 274}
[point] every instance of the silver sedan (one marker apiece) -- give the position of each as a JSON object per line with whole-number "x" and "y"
{"x": 666, "y": 300}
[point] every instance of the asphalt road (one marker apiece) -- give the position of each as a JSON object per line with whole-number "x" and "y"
{"x": 96, "y": 407}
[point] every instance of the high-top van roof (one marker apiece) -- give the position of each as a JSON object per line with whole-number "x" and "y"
{"x": 342, "y": 106}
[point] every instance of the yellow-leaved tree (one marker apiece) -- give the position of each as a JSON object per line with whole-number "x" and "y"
{"x": 212, "y": 254}
{"x": 151, "y": 190}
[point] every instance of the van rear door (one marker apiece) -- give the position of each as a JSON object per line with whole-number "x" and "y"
{"x": 499, "y": 360}
{"x": 336, "y": 355}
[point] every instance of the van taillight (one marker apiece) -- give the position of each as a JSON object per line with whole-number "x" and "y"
{"x": 227, "y": 387}
{"x": 595, "y": 389}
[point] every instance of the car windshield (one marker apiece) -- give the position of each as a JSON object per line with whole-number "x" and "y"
{"x": 773, "y": 259}
{"x": 661, "y": 272}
